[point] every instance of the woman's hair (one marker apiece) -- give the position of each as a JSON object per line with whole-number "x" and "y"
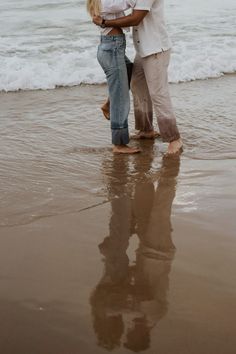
{"x": 94, "y": 7}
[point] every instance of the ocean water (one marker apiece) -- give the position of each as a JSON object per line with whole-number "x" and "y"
{"x": 87, "y": 237}
{"x": 55, "y": 150}
{"x": 45, "y": 44}
{"x": 52, "y": 143}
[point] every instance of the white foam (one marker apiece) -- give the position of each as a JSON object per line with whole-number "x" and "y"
{"x": 206, "y": 62}
{"x": 70, "y": 69}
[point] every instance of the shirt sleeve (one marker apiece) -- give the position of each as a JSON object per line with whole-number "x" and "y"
{"x": 116, "y": 6}
{"x": 144, "y": 5}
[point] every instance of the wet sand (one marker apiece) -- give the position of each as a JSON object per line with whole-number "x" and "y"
{"x": 106, "y": 253}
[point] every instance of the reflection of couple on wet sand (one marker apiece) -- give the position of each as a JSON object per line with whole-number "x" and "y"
{"x": 149, "y": 83}
{"x": 130, "y": 299}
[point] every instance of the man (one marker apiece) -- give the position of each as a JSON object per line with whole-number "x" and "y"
{"x": 150, "y": 77}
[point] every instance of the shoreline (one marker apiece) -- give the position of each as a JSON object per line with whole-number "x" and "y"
{"x": 2, "y": 92}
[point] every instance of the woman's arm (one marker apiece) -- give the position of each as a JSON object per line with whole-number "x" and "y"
{"x": 115, "y": 6}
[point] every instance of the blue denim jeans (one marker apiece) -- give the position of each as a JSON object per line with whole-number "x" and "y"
{"x": 111, "y": 57}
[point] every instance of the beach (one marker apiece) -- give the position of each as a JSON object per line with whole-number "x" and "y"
{"x": 102, "y": 253}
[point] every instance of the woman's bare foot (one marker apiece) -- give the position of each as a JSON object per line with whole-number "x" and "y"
{"x": 106, "y": 109}
{"x": 146, "y": 135}
{"x": 125, "y": 149}
{"x": 175, "y": 147}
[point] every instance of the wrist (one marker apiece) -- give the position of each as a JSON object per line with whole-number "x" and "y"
{"x": 103, "y": 23}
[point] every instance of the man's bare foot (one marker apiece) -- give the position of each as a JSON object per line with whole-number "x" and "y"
{"x": 175, "y": 147}
{"x": 125, "y": 149}
{"x": 146, "y": 135}
{"x": 106, "y": 109}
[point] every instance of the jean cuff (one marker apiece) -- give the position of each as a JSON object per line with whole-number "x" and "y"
{"x": 120, "y": 136}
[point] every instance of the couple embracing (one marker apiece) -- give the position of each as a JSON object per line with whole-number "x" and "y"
{"x": 149, "y": 83}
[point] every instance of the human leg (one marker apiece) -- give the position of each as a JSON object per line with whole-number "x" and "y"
{"x": 142, "y": 101}
{"x": 106, "y": 106}
{"x": 156, "y": 73}
{"x": 106, "y": 109}
{"x": 111, "y": 56}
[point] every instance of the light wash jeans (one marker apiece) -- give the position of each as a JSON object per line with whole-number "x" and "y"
{"x": 111, "y": 57}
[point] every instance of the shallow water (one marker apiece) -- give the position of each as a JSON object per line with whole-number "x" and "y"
{"x": 53, "y": 143}
{"x": 150, "y": 271}
{"x": 102, "y": 253}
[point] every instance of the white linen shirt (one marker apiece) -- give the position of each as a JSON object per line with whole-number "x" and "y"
{"x": 112, "y": 9}
{"x": 151, "y": 36}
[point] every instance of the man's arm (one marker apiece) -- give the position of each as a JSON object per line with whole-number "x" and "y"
{"x": 127, "y": 21}
{"x": 114, "y": 6}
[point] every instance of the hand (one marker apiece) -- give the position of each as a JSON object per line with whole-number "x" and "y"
{"x": 97, "y": 20}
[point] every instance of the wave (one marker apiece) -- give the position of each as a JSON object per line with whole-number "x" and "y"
{"x": 67, "y": 69}
{"x": 58, "y": 47}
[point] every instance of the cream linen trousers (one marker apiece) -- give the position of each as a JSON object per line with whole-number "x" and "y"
{"x": 150, "y": 90}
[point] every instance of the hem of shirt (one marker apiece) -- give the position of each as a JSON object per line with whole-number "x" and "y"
{"x": 160, "y": 50}
{"x": 109, "y": 29}
{"x": 142, "y": 8}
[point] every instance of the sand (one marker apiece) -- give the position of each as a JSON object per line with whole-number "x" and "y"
{"x": 131, "y": 253}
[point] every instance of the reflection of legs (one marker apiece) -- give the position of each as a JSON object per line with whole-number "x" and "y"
{"x": 142, "y": 205}
{"x": 115, "y": 245}
{"x": 144, "y": 191}
{"x": 142, "y": 101}
{"x": 106, "y": 310}
{"x": 109, "y": 298}
{"x": 138, "y": 336}
{"x": 156, "y": 250}
{"x": 158, "y": 235}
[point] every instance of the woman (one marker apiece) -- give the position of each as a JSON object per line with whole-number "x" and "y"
{"x": 111, "y": 56}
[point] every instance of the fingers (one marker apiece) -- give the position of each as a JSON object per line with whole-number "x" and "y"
{"x": 97, "y": 20}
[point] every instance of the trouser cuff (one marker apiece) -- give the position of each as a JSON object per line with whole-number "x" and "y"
{"x": 170, "y": 139}
{"x": 120, "y": 136}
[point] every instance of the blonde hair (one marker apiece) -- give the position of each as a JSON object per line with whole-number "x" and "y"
{"x": 94, "y": 7}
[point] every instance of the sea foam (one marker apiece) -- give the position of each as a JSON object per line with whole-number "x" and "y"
{"x": 71, "y": 69}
